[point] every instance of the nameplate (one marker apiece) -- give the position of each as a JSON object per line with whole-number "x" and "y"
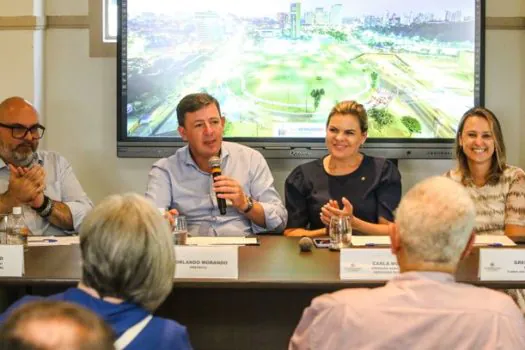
{"x": 501, "y": 264}
{"x": 11, "y": 260}
{"x": 206, "y": 262}
{"x": 367, "y": 264}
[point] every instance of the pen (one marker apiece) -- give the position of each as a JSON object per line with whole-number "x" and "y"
{"x": 48, "y": 240}
{"x": 370, "y": 245}
{"x": 495, "y": 245}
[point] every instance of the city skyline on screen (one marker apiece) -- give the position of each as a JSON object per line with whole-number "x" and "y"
{"x": 278, "y": 67}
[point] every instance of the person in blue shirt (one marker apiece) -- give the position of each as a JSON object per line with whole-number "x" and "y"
{"x": 345, "y": 181}
{"x": 128, "y": 265}
{"x": 183, "y": 182}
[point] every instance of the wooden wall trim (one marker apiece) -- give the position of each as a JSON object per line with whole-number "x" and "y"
{"x": 505, "y": 23}
{"x": 68, "y": 22}
{"x": 41, "y": 22}
{"x": 83, "y": 22}
{"x": 22, "y": 23}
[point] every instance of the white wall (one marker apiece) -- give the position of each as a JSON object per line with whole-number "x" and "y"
{"x": 80, "y": 101}
{"x": 16, "y": 63}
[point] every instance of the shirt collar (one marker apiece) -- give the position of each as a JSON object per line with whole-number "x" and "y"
{"x": 188, "y": 160}
{"x": 425, "y": 275}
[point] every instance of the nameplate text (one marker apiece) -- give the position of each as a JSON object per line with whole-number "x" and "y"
{"x": 501, "y": 264}
{"x": 11, "y": 260}
{"x": 206, "y": 262}
{"x": 367, "y": 264}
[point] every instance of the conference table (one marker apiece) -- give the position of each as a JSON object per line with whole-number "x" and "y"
{"x": 259, "y": 310}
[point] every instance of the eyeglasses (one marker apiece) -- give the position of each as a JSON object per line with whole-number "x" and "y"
{"x": 20, "y": 131}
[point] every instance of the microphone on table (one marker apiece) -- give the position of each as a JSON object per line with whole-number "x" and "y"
{"x": 215, "y": 165}
{"x": 306, "y": 244}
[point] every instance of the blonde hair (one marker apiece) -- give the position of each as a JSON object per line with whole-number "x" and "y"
{"x": 351, "y": 108}
{"x": 127, "y": 251}
{"x": 499, "y": 159}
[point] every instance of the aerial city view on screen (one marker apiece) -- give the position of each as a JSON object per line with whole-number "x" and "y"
{"x": 277, "y": 67}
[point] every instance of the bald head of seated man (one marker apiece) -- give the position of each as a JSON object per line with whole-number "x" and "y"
{"x": 20, "y": 131}
{"x": 41, "y": 182}
{"x": 423, "y": 307}
{"x": 55, "y": 325}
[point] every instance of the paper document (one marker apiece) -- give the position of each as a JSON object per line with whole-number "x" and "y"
{"x": 363, "y": 241}
{"x": 222, "y": 241}
{"x": 493, "y": 240}
{"x": 37, "y": 241}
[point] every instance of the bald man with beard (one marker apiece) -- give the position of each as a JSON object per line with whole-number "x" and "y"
{"x": 41, "y": 182}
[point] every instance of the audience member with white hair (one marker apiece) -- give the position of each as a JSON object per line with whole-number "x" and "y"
{"x": 128, "y": 264}
{"x": 422, "y": 307}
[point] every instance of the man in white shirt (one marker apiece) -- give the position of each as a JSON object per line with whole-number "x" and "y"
{"x": 41, "y": 182}
{"x": 423, "y": 307}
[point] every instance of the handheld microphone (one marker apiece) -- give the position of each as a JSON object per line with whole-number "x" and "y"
{"x": 215, "y": 165}
{"x": 306, "y": 244}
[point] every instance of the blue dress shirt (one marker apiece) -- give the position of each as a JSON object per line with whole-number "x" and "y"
{"x": 177, "y": 182}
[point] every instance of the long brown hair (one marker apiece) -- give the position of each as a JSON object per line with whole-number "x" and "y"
{"x": 499, "y": 158}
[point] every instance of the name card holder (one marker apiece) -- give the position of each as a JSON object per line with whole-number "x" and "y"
{"x": 11, "y": 260}
{"x": 501, "y": 264}
{"x": 207, "y": 262}
{"x": 367, "y": 264}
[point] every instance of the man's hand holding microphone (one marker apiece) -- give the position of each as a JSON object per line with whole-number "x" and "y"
{"x": 227, "y": 188}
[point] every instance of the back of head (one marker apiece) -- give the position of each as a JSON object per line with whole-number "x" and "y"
{"x": 194, "y": 102}
{"x": 55, "y": 325}
{"x": 435, "y": 220}
{"x": 127, "y": 251}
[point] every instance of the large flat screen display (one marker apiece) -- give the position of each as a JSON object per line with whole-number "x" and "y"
{"x": 278, "y": 67}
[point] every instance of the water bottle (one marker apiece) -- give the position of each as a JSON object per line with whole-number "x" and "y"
{"x": 18, "y": 231}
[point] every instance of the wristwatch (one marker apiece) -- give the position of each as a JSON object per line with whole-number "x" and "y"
{"x": 46, "y": 208}
{"x": 250, "y": 204}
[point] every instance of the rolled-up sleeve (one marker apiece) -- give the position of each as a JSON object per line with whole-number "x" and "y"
{"x": 72, "y": 193}
{"x": 159, "y": 185}
{"x": 262, "y": 189}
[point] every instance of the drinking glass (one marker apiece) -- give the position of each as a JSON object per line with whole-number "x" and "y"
{"x": 180, "y": 230}
{"x": 340, "y": 232}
